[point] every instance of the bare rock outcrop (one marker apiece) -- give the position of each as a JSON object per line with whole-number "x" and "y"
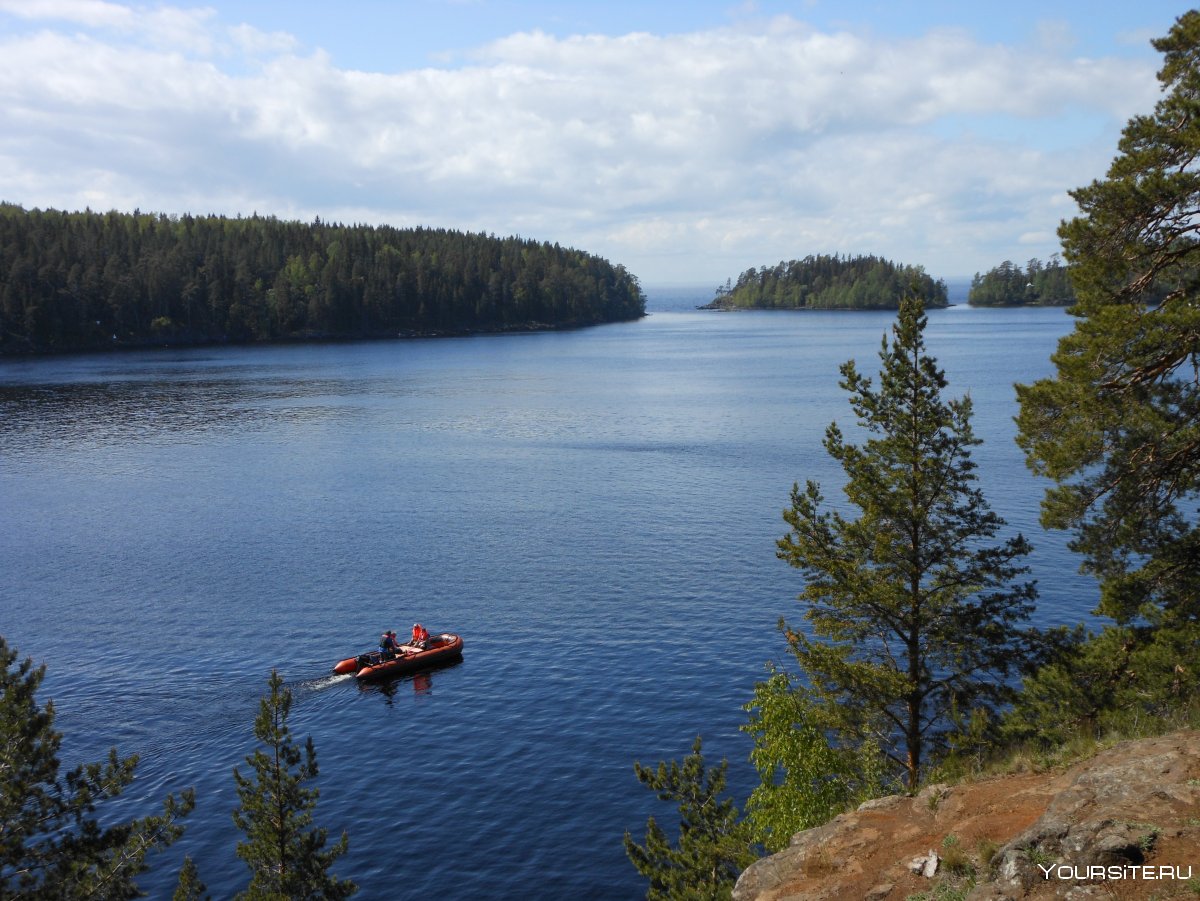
{"x": 1125, "y": 822}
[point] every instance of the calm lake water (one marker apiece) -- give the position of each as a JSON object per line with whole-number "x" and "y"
{"x": 594, "y": 511}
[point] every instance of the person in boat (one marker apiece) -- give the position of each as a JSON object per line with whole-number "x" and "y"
{"x": 420, "y": 635}
{"x": 387, "y": 645}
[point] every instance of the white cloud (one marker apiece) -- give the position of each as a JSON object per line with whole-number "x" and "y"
{"x": 92, "y": 13}
{"x": 252, "y": 42}
{"x": 697, "y": 153}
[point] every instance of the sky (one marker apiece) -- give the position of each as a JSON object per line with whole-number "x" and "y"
{"x": 687, "y": 141}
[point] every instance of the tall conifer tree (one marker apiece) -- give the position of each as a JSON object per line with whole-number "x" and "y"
{"x": 285, "y": 853}
{"x": 914, "y": 614}
{"x": 1118, "y": 426}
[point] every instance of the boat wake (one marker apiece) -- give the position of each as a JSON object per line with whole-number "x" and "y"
{"x": 327, "y": 681}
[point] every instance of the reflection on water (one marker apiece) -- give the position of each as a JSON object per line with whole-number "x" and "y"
{"x": 162, "y": 411}
{"x": 413, "y": 685}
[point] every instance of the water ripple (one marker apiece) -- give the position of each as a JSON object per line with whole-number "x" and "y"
{"x": 595, "y": 512}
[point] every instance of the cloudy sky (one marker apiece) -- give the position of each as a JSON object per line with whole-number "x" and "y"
{"x": 686, "y": 139}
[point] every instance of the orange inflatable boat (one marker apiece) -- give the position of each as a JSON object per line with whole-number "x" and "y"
{"x": 443, "y": 648}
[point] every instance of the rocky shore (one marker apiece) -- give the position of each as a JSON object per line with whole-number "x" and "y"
{"x": 1124, "y": 823}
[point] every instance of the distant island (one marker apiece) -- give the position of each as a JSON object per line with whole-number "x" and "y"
{"x": 829, "y": 283}
{"x": 1008, "y": 285}
{"x": 73, "y": 281}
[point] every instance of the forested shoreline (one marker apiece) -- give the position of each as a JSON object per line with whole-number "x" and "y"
{"x": 72, "y": 281}
{"x": 829, "y": 282}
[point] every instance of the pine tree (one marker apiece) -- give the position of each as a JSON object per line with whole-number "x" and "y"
{"x": 714, "y": 846}
{"x": 284, "y": 852}
{"x": 914, "y": 614}
{"x": 51, "y": 843}
{"x": 1118, "y": 427}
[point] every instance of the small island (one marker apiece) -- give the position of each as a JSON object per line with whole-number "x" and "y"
{"x": 1008, "y": 285}
{"x": 91, "y": 281}
{"x": 829, "y": 282}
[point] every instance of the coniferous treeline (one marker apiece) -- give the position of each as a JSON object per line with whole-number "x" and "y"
{"x": 825, "y": 282}
{"x": 76, "y": 281}
{"x": 1038, "y": 284}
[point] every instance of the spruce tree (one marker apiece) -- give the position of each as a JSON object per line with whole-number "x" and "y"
{"x": 714, "y": 845}
{"x": 285, "y": 853}
{"x": 52, "y": 843}
{"x": 914, "y": 614}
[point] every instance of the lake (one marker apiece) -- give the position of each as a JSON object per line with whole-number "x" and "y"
{"x": 594, "y": 511}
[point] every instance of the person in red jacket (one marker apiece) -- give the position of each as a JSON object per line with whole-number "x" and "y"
{"x": 420, "y": 635}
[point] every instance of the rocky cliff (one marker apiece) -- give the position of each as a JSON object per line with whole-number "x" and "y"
{"x": 1122, "y": 824}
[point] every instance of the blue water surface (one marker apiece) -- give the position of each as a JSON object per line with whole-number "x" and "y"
{"x": 594, "y": 511}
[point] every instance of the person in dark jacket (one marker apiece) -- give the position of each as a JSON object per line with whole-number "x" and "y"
{"x": 387, "y": 645}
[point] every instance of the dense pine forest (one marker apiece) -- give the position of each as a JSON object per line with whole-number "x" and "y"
{"x": 828, "y": 283}
{"x": 1038, "y": 284}
{"x": 82, "y": 281}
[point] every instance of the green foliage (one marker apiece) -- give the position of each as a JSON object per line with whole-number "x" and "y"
{"x": 74, "y": 281}
{"x": 915, "y": 614}
{"x": 987, "y": 849}
{"x": 1038, "y": 855}
{"x": 804, "y": 780}
{"x": 190, "y": 887}
{"x": 1118, "y": 427}
{"x": 827, "y": 283}
{"x": 954, "y": 860}
{"x": 284, "y": 852}
{"x": 714, "y": 846}
{"x": 51, "y": 843}
{"x": 1040, "y": 284}
{"x": 1150, "y": 834}
{"x": 1121, "y": 680}
{"x": 971, "y": 740}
